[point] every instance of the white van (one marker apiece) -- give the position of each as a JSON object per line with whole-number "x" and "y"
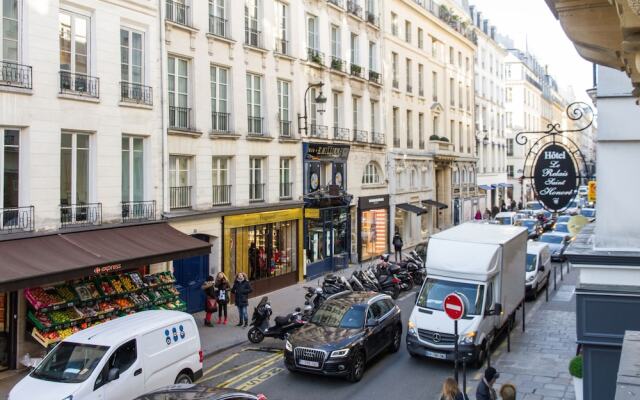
{"x": 538, "y": 267}
{"x": 118, "y": 360}
{"x": 506, "y": 217}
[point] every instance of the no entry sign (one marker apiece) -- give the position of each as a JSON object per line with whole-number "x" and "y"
{"x": 454, "y": 306}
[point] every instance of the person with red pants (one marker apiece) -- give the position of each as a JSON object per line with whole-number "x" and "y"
{"x": 210, "y": 291}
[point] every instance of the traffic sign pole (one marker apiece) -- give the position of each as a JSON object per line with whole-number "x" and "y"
{"x": 455, "y": 362}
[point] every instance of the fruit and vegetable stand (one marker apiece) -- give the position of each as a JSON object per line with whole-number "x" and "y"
{"x": 58, "y": 311}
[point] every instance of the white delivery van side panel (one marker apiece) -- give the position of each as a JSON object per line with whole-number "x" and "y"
{"x": 462, "y": 260}
{"x": 169, "y": 350}
{"x": 513, "y": 273}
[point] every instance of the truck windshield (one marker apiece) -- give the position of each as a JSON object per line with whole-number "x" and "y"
{"x": 435, "y": 290}
{"x": 504, "y": 220}
{"x": 531, "y": 262}
{"x": 70, "y": 362}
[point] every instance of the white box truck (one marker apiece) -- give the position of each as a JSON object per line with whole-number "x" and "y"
{"x": 485, "y": 263}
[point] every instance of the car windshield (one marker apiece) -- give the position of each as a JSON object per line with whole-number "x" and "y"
{"x": 435, "y": 290}
{"x": 534, "y": 206}
{"x": 529, "y": 224}
{"x": 564, "y": 228}
{"x": 531, "y": 262}
{"x": 339, "y": 315}
{"x": 504, "y": 220}
{"x": 70, "y": 362}
{"x": 588, "y": 213}
{"x": 564, "y": 218}
{"x": 551, "y": 239}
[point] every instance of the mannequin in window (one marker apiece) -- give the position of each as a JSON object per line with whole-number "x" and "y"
{"x": 253, "y": 260}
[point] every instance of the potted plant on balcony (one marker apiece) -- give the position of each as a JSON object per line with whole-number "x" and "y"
{"x": 336, "y": 63}
{"x": 434, "y": 137}
{"x": 444, "y": 139}
{"x": 575, "y": 370}
{"x": 316, "y": 58}
{"x": 356, "y": 69}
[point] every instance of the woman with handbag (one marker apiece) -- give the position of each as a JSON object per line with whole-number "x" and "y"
{"x": 241, "y": 288}
{"x": 222, "y": 294}
{"x": 211, "y": 304}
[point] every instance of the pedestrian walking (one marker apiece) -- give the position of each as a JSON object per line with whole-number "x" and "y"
{"x": 487, "y": 214}
{"x": 241, "y": 288}
{"x": 451, "y": 391}
{"x": 519, "y": 205}
{"x": 513, "y": 205}
{"x": 508, "y": 392}
{"x": 210, "y": 300}
{"x": 485, "y": 390}
{"x": 478, "y": 215}
{"x": 397, "y": 245}
{"x": 222, "y": 295}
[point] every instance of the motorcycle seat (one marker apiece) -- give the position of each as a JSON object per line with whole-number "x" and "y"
{"x": 280, "y": 321}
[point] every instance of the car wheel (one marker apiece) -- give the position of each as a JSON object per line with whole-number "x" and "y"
{"x": 481, "y": 356}
{"x": 184, "y": 378}
{"x": 397, "y": 340}
{"x": 357, "y": 367}
{"x": 255, "y": 336}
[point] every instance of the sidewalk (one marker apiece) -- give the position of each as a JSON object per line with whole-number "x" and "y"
{"x": 539, "y": 359}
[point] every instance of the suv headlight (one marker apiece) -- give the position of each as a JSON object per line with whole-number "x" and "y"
{"x": 531, "y": 278}
{"x": 339, "y": 353}
{"x": 468, "y": 338}
{"x": 288, "y": 346}
{"x": 411, "y": 328}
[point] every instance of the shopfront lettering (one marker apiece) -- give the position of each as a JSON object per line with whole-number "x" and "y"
{"x": 321, "y": 151}
{"x": 555, "y": 177}
{"x": 106, "y": 269}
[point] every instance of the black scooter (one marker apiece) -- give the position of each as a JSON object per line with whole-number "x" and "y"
{"x": 260, "y": 326}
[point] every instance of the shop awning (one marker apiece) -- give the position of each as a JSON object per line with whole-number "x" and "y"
{"x": 434, "y": 203}
{"x": 411, "y": 208}
{"x": 40, "y": 260}
{"x": 485, "y": 187}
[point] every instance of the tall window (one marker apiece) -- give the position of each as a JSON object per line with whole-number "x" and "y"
{"x": 394, "y": 67}
{"x": 509, "y": 147}
{"x": 460, "y": 95}
{"x": 421, "y": 79}
{"x": 434, "y": 83}
{"x": 218, "y": 17}
{"x": 9, "y": 33}
{"x": 407, "y": 31}
{"x": 74, "y": 168}
{"x": 220, "y": 98}
{"x": 131, "y": 56}
{"x": 394, "y": 24}
{"x": 421, "y": 130}
{"x": 220, "y": 171}
{"x": 282, "y": 29}
{"x": 10, "y": 164}
{"x": 373, "y": 111}
{"x": 336, "y": 48}
{"x": 179, "y": 182}
{"x": 451, "y": 61}
{"x": 372, "y": 56}
{"x": 396, "y": 133}
{"x": 74, "y": 42}
{"x": 285, "y": 178}
{"x": 252, "y": 22}
{"x": 452, "y": 130}
{"x": 420, "y": 38}
{"x": 132, "y": 169}
{"x": 284, "y": 90}
{"x": 409, "y": 129}
{"x": 254, "y": 103}
{"x": 356, "y": 112}
{"x": 336, "y": 109}
{"x": 435, "y": 47}
{"x": 355, "y": 50}
{"x": 312, "y": 32}
{"x": 460, "y": 138}
{"x": 510, "y": 171}
{"x": 452, "y": 92}
{"x": 371, "y": 174}
{"x": 178, "y": 92}
{"x": 409, "y": 76}
{"x": 460, "y": 59}
{"x": 436, "y": 125}
{"x": 256, "y": 179}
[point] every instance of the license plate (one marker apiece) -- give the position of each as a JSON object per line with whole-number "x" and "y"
{"x": 433, "y": 354}
{"x": 307, "y": 363}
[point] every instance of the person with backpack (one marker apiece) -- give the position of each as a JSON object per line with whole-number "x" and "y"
{"x": 397, "y": 245}
{"x": 241, "y": 289}
{"x": 222, "y": 295}
{"x": 210, "y": 304}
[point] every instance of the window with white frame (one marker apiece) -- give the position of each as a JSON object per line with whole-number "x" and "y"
{"x": 74, "y": 168}
{"x": 420, "y": 38}
{"x": 409, "y": 75}
{"x": 220, "y": 116}
{"x": 220, "y": 180}
{"x": 313, "y": 40}
{"x": 371, "y": 174}
{"x": 254, "y": 103}
{"x": 132, "y": 66}
{"x": 336, "y": 109}
{"x": 336, "y": 47}
{"x": 179, "y": 181}
{"x": 74, "y": 42}
{"x": 282, "y": 29}
{"x": 421, "y": 79}
{"x": 218, "y": 18}
{"x": 132, "y": 169}
{"x": 9, "y": 32}
{"x": 374, "y": 112}
{"x": 355, "y": 49}
{"x": 395, "y": 127}
{"x": 372, "y": 57}
{"x": 355, "y": 105}
{"x": 409, "y": 126}
{"x": 256, "y": 179}
{"x": 179, "y": 111}
{"x": 252, "y": 35}
{"x": 286, "y": 184}
{"x": 394, "y": 69}
{"x": 284, "y": 93}
{"x": 10, "y": 164}
{"x": 407, "y": 31}
{"x": 394, "y": 24}
{"x": 421, "y": 130}
{"x": 434, "y": 83}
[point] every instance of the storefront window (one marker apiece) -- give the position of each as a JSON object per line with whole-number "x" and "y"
{"x": 399, "y": 221}
{"x": 374, "y": 233}
{"x": 340, "y": 232}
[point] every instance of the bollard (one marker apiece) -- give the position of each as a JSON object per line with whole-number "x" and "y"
{"x": 561, "y": 265}
{"x": 546, "y": 290}
{"x": 523, "y": 317}
{"x": 464, "y": 376}
{"x": 555, "y": 283}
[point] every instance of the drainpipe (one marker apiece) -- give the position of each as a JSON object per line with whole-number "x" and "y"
{"x": 165, "y": 146}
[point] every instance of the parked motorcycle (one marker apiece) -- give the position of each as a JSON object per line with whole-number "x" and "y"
{"x": 399, "y": 270}
{"x": 260, "y": 323}
{"x": 387, "y": 283}
{"x": 333, "y": 284}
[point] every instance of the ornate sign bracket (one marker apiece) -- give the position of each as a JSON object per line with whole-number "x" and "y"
{"x": 554, "y": 162}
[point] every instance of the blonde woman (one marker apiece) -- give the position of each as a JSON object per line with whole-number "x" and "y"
{"x": 222, "y": 294}
{"x": 508, "y": 392}
{"x": 450, "y": 390}
{"x": 241, "y": 288}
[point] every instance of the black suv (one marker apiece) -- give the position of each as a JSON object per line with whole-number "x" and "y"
{"x": 344, "y": 333}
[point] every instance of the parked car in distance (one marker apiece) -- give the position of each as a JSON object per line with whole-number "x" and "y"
{"x": 533, "y": 205}
{"x": 562, "y": 227}
{"x": 538, "y": 267}
{"x": 201, "y": 391}
{"x": 574, "y": 206}
{"x": 563, "y": 218}
{"x": 589, "y": 213}
{"x": 557, "y": 242}
{"x": 534, "y": 227}
{"x": 506, "y": 217}
{"x": 583, "y": 190}
{"x": 120, "y": 359}
{"x": 344, "y": 334}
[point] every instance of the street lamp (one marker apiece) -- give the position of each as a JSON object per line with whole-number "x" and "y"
{"x": 320, "y": 100}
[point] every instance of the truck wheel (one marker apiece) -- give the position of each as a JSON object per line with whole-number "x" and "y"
{"x": 255, "y": 336}
{"x": 183, "y": 378}
{"x": 482, "y": 355}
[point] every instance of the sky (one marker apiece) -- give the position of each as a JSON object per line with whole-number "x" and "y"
{"x": 531, "y": 23}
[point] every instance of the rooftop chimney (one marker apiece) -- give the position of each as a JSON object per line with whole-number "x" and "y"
{"x": 493, "y": 32}
{"x": 485, "y": 26}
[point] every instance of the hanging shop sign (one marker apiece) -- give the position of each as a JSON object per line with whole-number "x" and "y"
{"x": 555, "y": 177}
{"x": 591, "y": 193}
{"x": 323, "y": 151}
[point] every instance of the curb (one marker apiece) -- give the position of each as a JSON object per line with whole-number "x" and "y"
{"x": 225, "y": 348}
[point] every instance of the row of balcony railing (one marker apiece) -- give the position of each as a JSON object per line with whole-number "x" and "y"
{"x": 180, "y": 197}
{"x": 344, "y": 134}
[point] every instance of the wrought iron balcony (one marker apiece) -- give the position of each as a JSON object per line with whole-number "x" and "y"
{"x": 221, "y": 195}
{"x": 360, "y": 136}
{"x": 286, "y": 190}
{"x": 179, "y": 197}
{"x": 354, "y": 8}
{"x": 377, "y": 138}
{"x": 396, "y": 141}
{"x": 179, "y": 13}
{"x": 337, "y": 3}
{"x": 375, "y": 77}
{"x": 372, "y": 19}
{"x": 136, "y": 93}
{"x": 15, "y": 75}
{"x": 282, "y": 47}
{"x": 253, "y": 38}
{"x": 180, "y": 118}
{"x": 338, "y": 64}
{"x": 357, "y": 71}
{"x": 79, "y": 84}
{"x": 134, "y": 211}
{"x": 285, "y": 129}
{"x": 318, "y": 131}
{"x": 341, "y": 134}
{"x": 255, "y": 126}
{"x": 409, "y": 88}
{"x": 221, "y": 122}
{"x": 315, "y": 56}
{"x": 16, "y": 219}
{"x": 256, "y": 192}
{"x": 80, "y": 215}
{"x": 219, "y": 26}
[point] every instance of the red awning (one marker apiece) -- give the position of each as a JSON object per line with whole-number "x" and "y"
{"x": 51, "y": 258}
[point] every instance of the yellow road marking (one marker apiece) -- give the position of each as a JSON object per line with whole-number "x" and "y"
{"x": 216, "y": 366}
{"x": 228, "y": 371}
{"x": 267, "y": 363}
{"x": 266, "y": 375}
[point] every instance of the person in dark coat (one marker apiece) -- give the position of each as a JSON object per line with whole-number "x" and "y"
{"x": 253, "y": 260}
{"x": 397, "y": 245}
{"x": 210, "y": 293}
{"x": 451, "y": 391}
{"x": 485, "y": 390}
{"x": 241, "y": 288}
{"x": 222, "y": 294}
{"x": 519, "y": 205}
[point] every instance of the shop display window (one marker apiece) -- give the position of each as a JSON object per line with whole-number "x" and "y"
{"x": 374, "y": 233}
{"x": 329, "y": 235}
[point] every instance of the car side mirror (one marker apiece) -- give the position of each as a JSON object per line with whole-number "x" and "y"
{"x": 114, "y": 374}
{"x": 497, "y": 309}
{"x": 541, "y": 268}
{"x": 371, "y": 323}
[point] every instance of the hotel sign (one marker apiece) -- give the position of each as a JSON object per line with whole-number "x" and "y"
{"x": 555, "y": 177}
